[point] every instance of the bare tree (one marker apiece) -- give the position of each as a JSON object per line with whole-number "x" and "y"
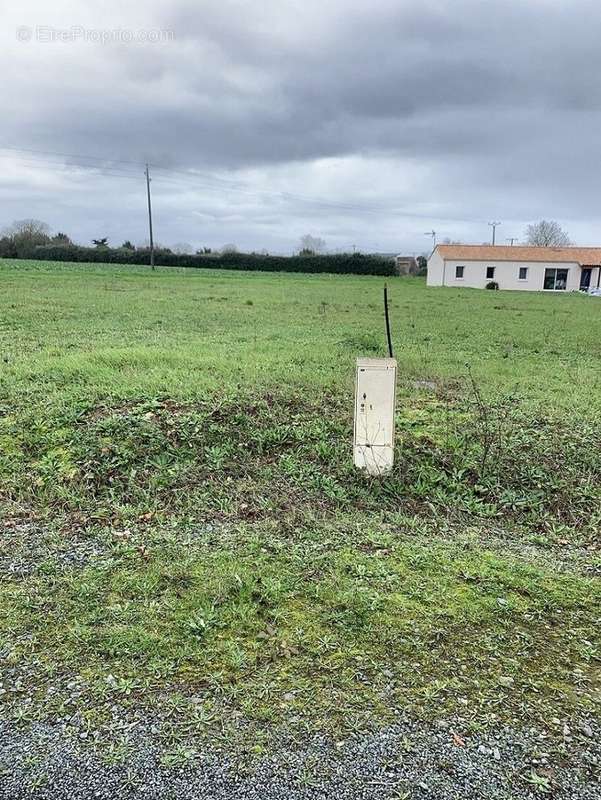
{"x": 228, "y": 248}
{"x": 310, "y": 245}
{"x": 182, "y": 248}
{"x": 547, "y": 233}
{"x": 28, "y": 227}
{"x": 26, "y": 234}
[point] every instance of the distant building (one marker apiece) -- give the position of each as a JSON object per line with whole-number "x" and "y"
{"x": 406, "y": 265}
{"x": 534, "y": 269}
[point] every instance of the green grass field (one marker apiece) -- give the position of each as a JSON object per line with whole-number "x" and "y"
{"x": 183, "y": 529}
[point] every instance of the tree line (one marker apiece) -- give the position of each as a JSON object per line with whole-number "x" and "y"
{"x": 23, "y": 237}
{"x": 31, "y": 239}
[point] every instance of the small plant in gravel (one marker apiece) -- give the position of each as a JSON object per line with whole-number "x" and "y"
{"x": 541, "y": 783}
{"x": 179, "y": 756}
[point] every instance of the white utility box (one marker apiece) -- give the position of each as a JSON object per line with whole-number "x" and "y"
{"x": 375, "y": 401}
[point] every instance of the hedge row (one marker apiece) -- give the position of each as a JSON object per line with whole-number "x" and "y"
{"x": 356, "y": 263}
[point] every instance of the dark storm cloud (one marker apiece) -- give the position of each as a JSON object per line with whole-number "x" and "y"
{"x": 494, "y": 106}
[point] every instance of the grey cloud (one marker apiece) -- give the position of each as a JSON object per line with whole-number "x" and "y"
{"x": 495, "y": 107}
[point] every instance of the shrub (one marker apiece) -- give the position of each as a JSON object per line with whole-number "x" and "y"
{"x": 492, "y": 285}
{"x": 8, "y": 248}
{"x": 357, "y": 263}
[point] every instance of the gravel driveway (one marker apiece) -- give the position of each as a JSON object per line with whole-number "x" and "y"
{"x": 408, "y": 760}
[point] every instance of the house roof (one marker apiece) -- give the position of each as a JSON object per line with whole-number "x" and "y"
{"x": 589, "y": 256}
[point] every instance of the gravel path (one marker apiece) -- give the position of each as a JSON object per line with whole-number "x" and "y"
{"x": 409, "y": 760}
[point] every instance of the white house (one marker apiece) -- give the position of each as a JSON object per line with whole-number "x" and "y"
{"x": 534, "y": 269}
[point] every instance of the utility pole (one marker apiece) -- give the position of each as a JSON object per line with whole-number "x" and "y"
{"x": 149, "y": 218}
{"x": 493, "y": 225}
{"x": 511, "y": 240}
{"x": 433, "y": 235}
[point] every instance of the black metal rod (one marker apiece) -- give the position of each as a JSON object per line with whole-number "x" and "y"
{"x": 149, "y": 218}
{"x": 387, "y": 321}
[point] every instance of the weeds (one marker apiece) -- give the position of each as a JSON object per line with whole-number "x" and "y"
{"x": 239, "y": 460}
{"x": 416, "y": 623}
{"x": 183, "y": 534}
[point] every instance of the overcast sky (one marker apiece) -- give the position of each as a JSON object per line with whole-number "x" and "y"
{"x": 364, "y": 123}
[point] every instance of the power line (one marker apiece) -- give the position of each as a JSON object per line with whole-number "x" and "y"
{"x": 217, "y": 183}
{"x": 72, "y": 155}
{"x": 232, "y": 184}
{"x": 63, "y": 168}
{"x": 174, "y": 176}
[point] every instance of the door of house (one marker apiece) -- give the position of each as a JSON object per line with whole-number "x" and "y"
{"x": 585, "y": 279}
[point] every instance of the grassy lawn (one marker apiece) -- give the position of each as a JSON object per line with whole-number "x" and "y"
{"x": 183, "y": 530}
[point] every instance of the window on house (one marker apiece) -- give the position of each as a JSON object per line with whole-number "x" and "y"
{"x": 523, "y": 273}
{"x": 556, "y": 279}
{"x": 459, "y": 272}
{"x": 490, "y": 273}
